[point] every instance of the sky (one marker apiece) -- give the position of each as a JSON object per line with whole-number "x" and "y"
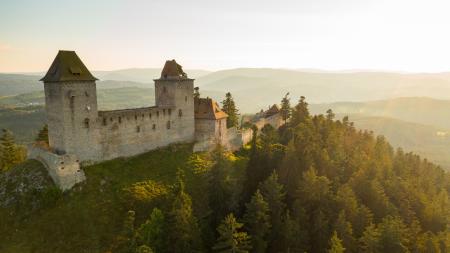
{"x": 390, "y": 35}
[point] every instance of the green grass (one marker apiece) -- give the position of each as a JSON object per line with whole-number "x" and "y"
{"x": 88, "y": 217}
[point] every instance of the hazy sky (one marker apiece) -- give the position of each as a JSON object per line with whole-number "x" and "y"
{"x": 405, "y": 35}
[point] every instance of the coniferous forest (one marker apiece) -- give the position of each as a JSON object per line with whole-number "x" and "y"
{"x": 317, "y": 184}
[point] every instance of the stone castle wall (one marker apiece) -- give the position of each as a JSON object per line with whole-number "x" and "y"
{"x": 134, "y": 131}
{"x": 77, "y": 127}
{"x": 63, "y": 169}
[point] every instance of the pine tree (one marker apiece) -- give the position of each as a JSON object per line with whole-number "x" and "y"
{"x": 273, "y": 193}
{"x": 222, "y": 199}
{"x": 184, "y": 235}
{"x": 343, "y": 228}
{"x": 370, "y": 240}
{"x": 257, "y": 222}
{"x": 230, "y": 239}
{"x": 300, "y": 112}
{"x": 229, "y": 107}
{"x": 286, "y": 109}
{"x": 336, "y": 244}
{"x": 153, "y": 232}
{"x": 43, "y": 135}
{"x": 9, "y": 152}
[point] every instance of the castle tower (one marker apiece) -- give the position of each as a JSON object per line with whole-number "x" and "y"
{"x": 71, "y": 105}
{"x": 174, "y": 92}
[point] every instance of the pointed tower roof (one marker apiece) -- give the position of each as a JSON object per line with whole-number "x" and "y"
{"x": 67, "y": 66}
{"x": 172, "y": 70}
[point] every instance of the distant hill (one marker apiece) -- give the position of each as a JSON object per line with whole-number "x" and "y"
{"x": 428, "y": 141}
{"x": 267, "y": 86}
{"x": 420, "y": 110}
{"x": 111, "y": 95}
{"x": 14, "y": 84}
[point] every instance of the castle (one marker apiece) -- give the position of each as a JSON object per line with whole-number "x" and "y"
{"x": 79, "y": 133}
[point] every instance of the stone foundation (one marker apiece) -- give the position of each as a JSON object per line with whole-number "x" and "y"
{"x": 63, "y": 169}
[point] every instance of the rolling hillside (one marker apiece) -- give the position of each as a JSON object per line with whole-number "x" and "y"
{"x": 428, "y": 141}
{"x": 267, "y": 86}
{"x": 422, "y": 110}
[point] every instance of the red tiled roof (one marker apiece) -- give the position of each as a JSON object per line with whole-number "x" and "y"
{"x": 206, "y": 108}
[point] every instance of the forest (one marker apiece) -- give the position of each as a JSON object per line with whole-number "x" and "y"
{"x": 317, "y": 184}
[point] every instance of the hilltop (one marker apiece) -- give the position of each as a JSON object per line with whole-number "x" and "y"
{"x": 309, "y": 179}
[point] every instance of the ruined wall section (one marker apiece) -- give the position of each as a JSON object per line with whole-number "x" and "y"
{"x": 63, "y": 169}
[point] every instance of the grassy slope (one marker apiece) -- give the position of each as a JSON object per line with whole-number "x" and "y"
{"x": 88, "y": 217}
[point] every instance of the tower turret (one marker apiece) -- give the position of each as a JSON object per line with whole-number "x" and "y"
{"x": 71, "y": 105}
{"x": 174, "y": 91}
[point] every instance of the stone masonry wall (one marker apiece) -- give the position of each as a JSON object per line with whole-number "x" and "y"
{"x": 134, "y": 131}
{"x": 64, "y": 169}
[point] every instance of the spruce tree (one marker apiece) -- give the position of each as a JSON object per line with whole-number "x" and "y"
{"x": 154, "y": 231}
{"x": 229, "y": 107}
{"x": 300, "y": 113}
{"x": 257, "y": 222}
{"x": 286, "y": 108}
{"x": 184, "y": 235}
{"x": 231, "y": 239}
{"x": 9, "y": 152}
{"x": 43, "y": 135}
{"x": 344, "y": 230}
{"x": 336, "y": 244}
{"x": 273, "y": 193}
{"x": 222, "y": 196}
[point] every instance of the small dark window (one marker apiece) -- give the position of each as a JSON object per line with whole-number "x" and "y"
{"x": 169, "y": 111}
{"x": 104, "y": 121}
{"x": 157, "y": 113}
{"x": 111, "y": 119}
{"x": 86, "y": 123}
{"x": 150, "y": 115}
{"x": 120, "y": 119}
{"x": 142, "y": 116}
{"x": 138, "y": 129}
{"x": 135, "y": 117}
{"x": 154, "y": 127}
{"x": 180, "y": 113}
{"x": 168, "y": 124}
{"x": 164, "y": 111}
{"x": 185, "y": 99}
{"x": 164, "y": 89}
{"x": 86, "y": 93}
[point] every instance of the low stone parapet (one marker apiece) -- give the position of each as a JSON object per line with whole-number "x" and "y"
{"x": 63, "y": 169}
